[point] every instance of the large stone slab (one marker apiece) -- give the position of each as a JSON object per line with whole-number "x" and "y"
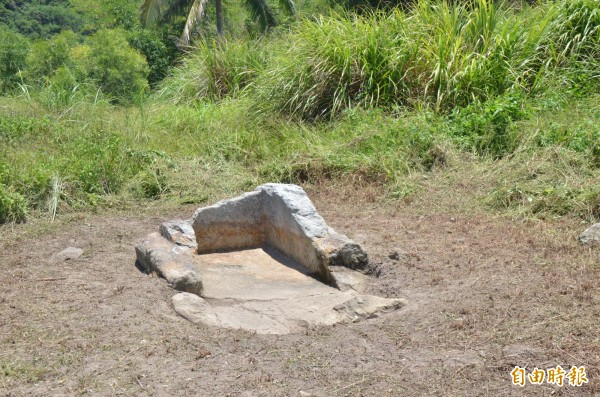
{"x": 256, "y": 274}
{"x": 283, "y": 316}
{"x": 281, "y": 216}
{"x": 260, "y": 262}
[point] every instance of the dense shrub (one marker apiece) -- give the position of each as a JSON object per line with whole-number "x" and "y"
{"x": 13, "y": 55}
{"x": 61, "y": 68}
{"x": 47, "y": 56}
{"x": 13, "y": 206}
{"x": 158, "y": 55}
{"x": 120, "y": 71}
{"x": 40, "y": 18}
{"x": 485, "y": 127}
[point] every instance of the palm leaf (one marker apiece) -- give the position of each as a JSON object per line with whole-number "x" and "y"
{"x": 153, "y": 11}
{"x": 262, "y": 12}
{"x": 288, "y": 5}
{"x": 196, "y": 13}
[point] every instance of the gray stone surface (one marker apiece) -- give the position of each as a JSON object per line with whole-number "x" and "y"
{"x": 591, "y": 236}
{"x": 265, "y": 292}
{"x": 180, "y": 232}
{"x": 362, "y": 307}
{"x": 283, "y": 217}
{"x": 170, "y": 261}
{"x": 252, "y": 262}
{"x": 256, "y": 274}
{"x": 339, "y": 250}
{"x": 282, "y": 316}
{"x": 347, "y": 279}
{"x": 70, "y": 253}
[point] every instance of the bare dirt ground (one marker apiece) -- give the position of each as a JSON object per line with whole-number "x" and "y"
{"x": 484, "y": 293}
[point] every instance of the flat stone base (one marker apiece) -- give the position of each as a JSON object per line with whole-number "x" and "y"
{"x": 282, "y": 316}
{"x": 256, "y": 274}
{"x": 302, "y": 274}
{"x": 258, "y": 289}
{"x": 263, "y": 291}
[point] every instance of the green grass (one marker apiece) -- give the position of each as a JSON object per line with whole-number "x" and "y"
{"x": 435, "y": 56}
{"x": 555, "y": 170}
{"x": 381, "y": 98}
{"x": 191, "y": 154}
{"x": 61, "y": 157}
{"x": 9, "y": 371}
{"x": 215, "y": 70}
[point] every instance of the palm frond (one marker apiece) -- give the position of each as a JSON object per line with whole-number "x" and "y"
{"x": 153, "y": 11}
{"x": 288, "y": 5}
{"x": 261, "y": 12}
{"x": 196, "y": 13}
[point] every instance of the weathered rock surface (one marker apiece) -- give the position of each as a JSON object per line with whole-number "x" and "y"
{"x": 252, "y": 262}
{"x": 281, "y": 216}
{"x": 346, "y": 279}
{"x": 282, "y": 316}
{"x": 591, "y": 236}
{"x": 70, "y": 253}
{"x": 180, "y": 232}
{"x": 170, "y": 261}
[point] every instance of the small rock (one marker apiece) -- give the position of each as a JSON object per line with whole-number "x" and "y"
{"x": 174, "y": 263}
{"x": 368, "y": 306}
{"x": 180, "y": 232}
{"x": 305, "y": 393}
{"x": 397, "y": 254}
{"x": 70, "y": 253}
{"x": 347, "y": 279}
{"x": 591, "y": 236}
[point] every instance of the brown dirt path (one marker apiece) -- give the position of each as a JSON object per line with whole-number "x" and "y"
{"x": 485, "y": 294}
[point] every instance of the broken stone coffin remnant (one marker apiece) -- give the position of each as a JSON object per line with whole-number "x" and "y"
{"x": 261, "y": 262}
{"x": 591, "y": 235}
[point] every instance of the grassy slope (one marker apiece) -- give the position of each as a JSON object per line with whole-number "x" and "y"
{"x": 108, "y": 155}
{"x": 518, "y": 138}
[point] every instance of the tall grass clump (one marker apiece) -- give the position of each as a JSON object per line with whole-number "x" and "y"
{"x": 438, "y": 55}
{"x": 334, "y": 63}
{"x": 575, "y": 44}
{"x": 214, "y": 70}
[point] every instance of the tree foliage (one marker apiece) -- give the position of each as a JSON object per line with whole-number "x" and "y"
{"x": 154, "y": 11}
{"x": 40, "y": 18}
{"x": 47, "y": 56}
{"x": 119, "y": 70}
{"x": 13, "y": 55}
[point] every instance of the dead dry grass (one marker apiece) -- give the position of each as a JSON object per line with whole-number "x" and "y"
{"x": 485, "y": 293}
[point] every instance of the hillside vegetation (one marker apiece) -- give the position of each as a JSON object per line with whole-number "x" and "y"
{"x": 505, "y": 94}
